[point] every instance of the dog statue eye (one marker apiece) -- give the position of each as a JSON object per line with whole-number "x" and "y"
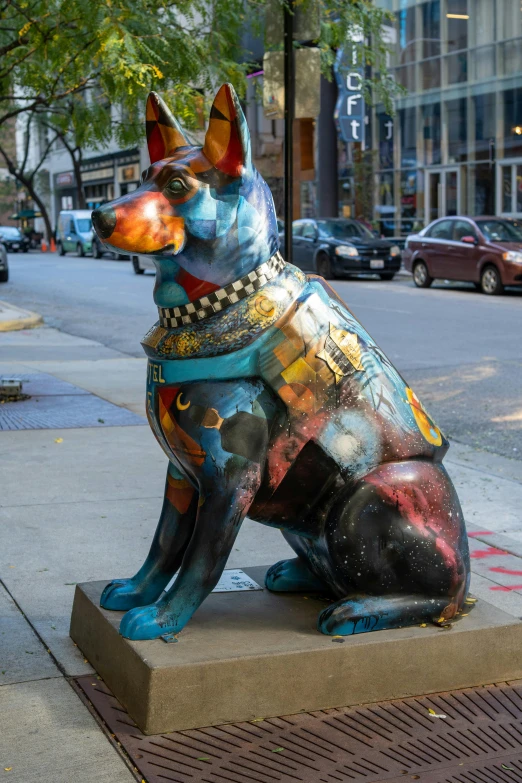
{"x": 176, "y": 187}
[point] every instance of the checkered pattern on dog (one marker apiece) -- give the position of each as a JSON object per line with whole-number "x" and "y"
{"x": 223, "y": 297}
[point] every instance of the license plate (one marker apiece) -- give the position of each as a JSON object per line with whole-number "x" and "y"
{"x": 16, "y": 247}
{"x": 376, "y": 263}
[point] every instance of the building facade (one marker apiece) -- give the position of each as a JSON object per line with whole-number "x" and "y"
{"x": 454, "y": 144}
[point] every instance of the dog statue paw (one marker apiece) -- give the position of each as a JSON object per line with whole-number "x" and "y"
{"x": 270, "y": 399}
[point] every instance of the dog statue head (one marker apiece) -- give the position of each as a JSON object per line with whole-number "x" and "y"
{"x": 204, "y": 214}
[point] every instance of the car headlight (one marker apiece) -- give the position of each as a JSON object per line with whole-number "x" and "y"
{"x": 512, "y": 255}
{"x": 346, "y": 251}
{"x": 395, "y": 250}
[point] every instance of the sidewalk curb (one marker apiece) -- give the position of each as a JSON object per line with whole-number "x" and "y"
{"x": 27, "y": 319}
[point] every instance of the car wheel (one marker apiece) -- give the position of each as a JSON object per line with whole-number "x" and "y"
{"x": 421, "y": 276}
{"x": 61, "y": 251}
{"x": 324, "y": 267}
{"x": 490, "y": 281}
{"x": 387, "y": 275}
{"x": 79, "y": 250}
{"x": 4, "y": 275}
{"x": 96, "y": 250}
{"x": 136, "y": 266}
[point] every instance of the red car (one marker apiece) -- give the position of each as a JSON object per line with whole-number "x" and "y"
{"x": 486, "y": 251}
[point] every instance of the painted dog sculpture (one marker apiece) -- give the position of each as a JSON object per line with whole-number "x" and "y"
{"x": 270, "y": 399}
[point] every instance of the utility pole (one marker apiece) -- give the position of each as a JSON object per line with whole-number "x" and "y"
{"x": 289, "y": 82}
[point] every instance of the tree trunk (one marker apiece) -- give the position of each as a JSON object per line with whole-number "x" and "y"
{"x": 28, "y": 184}
{"x": 80, "y": 192}
{"x": 43, "y": 210}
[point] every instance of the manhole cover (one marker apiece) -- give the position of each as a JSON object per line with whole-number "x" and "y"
{"x": 469, "y": 736}
{"x": 56, "y": 404}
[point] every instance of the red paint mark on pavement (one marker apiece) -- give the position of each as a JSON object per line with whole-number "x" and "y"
{"x": 506, "y": 589}
{"x": 480, "y": 553}
{"x": 476, "y": 533}
{"x": 510, "y": 571}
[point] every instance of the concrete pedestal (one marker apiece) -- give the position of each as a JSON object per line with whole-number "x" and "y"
{"x": 257, "y": 654}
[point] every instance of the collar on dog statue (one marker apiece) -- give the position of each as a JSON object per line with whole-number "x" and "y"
{"x": 172, "y": 317}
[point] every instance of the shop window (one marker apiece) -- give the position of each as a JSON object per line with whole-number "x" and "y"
{"x": 385, "y": 209}
{"x": 509, "y": 18}
{"x": 386, "y": 128}
{"x": 408, "y": 137}
{"x": 431, "y": 133}
{"x": 430, "y": 13}
{"x": 406, "y": 35}
{"x": 308, "y": 201}
{"x": 456, "y": 68}
{"x": 483, "y": 63}
{"x": 518, "y": 184}
{"x": 457, "y": 21}
{"x": 457, "y": 130}
{"x": 482, "y": 187}
{"x": 430, "y": 74}
{"x": 485, "y": 121}
{"x": 510, "y": 57}
{"x": 512, "y": 122}
{"x": 408, "y": 200}
{"x": 506, "y": 189}
{"x": 406, "y": 76}
{"x": 482, "y": 22}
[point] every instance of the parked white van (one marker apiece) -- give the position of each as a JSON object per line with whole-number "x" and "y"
{"x": 74, "y": 232}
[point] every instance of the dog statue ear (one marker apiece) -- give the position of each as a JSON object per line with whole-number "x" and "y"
{"x": 164, "y": 134}
{"x": 227, "y": 141}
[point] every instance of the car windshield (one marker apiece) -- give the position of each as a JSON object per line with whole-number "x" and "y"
{"x": 501, "y": 230}
{"x": 343, "y": 229}
{"x": 9, "y": 232}
{"x": 84, "y": 225}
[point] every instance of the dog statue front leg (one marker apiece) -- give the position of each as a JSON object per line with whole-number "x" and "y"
{"x": 173, "y": 532}
{"x": 218, "y": 522}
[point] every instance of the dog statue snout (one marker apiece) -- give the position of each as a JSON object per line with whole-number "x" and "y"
{"x": 104, "y": 221}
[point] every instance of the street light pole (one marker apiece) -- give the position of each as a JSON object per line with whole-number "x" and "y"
{"x": 289, "y": 83}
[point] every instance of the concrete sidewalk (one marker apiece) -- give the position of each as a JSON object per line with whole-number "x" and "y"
{"x": 13, "y": 318}
{"x": 82, "y": 504}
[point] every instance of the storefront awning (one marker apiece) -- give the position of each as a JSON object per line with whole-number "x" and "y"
{"x": 26, "y": 214}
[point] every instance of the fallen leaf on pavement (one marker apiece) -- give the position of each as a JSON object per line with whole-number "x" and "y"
{"x": 434, "y": 714}
{"x": 58, "y": 440}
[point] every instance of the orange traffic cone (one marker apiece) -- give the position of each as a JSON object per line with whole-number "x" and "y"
{"x": 53, "y": 246}
{"x": 43, "y": 246}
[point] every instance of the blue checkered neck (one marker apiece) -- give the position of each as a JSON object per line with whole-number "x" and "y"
{"x": 173, "y": 317}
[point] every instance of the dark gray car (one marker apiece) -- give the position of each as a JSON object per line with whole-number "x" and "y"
{"x": 4, "y": 268}
{"x": 339, "y": 247}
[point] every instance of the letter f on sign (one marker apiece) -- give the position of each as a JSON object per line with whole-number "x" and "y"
{"x": 351, "y": 103}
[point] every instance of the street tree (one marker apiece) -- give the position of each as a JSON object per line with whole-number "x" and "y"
{"x": 81, "y": 68}
{"x": 80, "y": 55}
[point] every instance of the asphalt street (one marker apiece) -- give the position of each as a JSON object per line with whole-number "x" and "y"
{"x": 460, "y": 350}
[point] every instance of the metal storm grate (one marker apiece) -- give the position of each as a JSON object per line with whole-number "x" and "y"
{"x": 469, "y": 736}
{"x": 51, "y": 403}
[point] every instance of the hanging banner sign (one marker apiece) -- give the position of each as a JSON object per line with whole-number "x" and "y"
{"x": 350, "y": 110}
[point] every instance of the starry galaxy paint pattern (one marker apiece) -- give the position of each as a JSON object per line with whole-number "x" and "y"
{"x": 273, "y": 402}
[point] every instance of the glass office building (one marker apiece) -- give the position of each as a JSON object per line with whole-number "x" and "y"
{"x": 455, "y": 142}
